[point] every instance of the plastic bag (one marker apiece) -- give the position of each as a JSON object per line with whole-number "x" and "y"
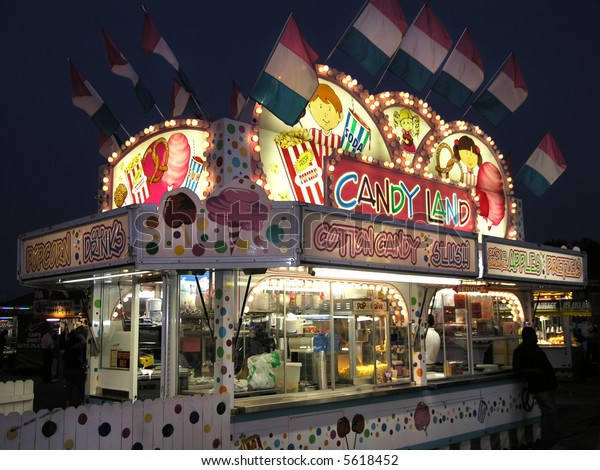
{"x": 261, "y": 370}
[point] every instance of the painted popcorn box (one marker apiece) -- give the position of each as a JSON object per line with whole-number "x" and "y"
{"x": 301, "y": 162}
{"x": 138, "y": 183}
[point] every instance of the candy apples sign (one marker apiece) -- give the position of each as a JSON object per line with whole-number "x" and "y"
{"x": 372, "y": 190}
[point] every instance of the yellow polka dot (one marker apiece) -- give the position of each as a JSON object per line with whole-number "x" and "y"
{"x": 148, "y": 417}
{"x": 11, "y": 435}
{"x": 207, "y": 428}
{"x": 242, "y": 245}
{"x": 243, "y": 151}
{"x": 178, "y": 250}
{"x": 69, "y": 444}
{"x": 202, "y": 223}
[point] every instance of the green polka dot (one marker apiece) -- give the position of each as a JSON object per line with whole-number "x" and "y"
{"x": 220, "y": 351}
{"x": 231, "y": 128}
{"x": 152, "y": 248}
{"x": 218, "y": 293}
{"x": 413, "y": 301}
{"x": 97, "y": 303}
{"x": 219, "y": 144}
{"x": 220, "y": 246}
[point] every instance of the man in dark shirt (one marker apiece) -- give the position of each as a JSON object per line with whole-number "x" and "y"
{"x": 531, "y": 364}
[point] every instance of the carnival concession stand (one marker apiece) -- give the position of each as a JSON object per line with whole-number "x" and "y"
{"x": 297, "y": 273}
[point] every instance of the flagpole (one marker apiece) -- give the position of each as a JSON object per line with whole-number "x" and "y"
{"x": 265, "y": 66}
{"x": 485, "y": 87}
{"x": 122, "y": 127}
{"x": 439, "y": 71}
{"x": 161, "y": 114}
{"x": 346, "y": 32}
{"x": 398, "y": 49}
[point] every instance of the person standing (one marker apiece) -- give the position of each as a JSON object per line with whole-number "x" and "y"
{"x": 75, "y": 366}
{"x": 3, "y": 336}
{"x": 47, "y": 345}
{"x": 531, "y": 364}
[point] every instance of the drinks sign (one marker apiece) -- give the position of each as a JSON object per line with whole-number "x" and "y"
{"x": 94, "y": 244}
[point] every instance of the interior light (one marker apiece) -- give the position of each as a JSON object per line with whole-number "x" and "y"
{"x": 106, "y": 276}
{"x": 329, "y": 273}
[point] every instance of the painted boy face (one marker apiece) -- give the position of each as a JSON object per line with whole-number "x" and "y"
{"x": 469, "y": 158}
{"x": 324, "y": 114}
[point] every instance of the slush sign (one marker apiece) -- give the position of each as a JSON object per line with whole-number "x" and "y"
{"x": 368, "y": 189}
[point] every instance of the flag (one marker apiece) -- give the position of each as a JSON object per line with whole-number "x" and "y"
{"x": 182, "y": 102}
{"x": 375, "y": 35}
{"x": 544, "y": 166}
{"x": 422, "y": 50}
{"x": 462, "y": 73}
{"x": 504, "y": 95}
{"x": 289, "y": 79}
{"x": 153, "y": 42}
{"x": 108, "y": 145}
{"x": 85, "y": 97}
{"x": 119, "y": 66}
{"x": 236, "y": 101}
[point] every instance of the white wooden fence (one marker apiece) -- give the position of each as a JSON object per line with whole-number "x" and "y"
{"x": 16, "y": 396}
{"x": 186, "y": 422}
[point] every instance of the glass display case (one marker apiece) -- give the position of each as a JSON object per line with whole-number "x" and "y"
{"x": 337, "y": 333}
{"x": 478, "y": 330}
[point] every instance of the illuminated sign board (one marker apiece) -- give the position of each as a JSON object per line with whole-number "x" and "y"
{"x": 334, "y": 237}
{"x": 235, "y": 224}
{"x": 293, "y": 159}
{"x": 373, "y": 190}
{"x": 169, "y": 159}
{"x": 99, "y": 243}
{"x": 504, "y": 260}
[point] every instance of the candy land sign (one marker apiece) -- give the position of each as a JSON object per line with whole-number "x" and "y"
{"x": 370, "y": 189}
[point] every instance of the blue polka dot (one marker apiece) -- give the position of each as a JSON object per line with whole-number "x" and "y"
{"x": 222, "y": 332}
{"x": 235, "y": 162}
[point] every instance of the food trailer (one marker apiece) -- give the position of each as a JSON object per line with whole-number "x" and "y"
{"x": 292, "y": 276}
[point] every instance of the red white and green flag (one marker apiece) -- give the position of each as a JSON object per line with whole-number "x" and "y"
{"x": 422, "y": 51}
{"x": 120, "y": 66}
{"x": 85, "y": 97}
{"x": 289, "y": 79}
{"x": 462, "y": 74}
{"x": 375, "y": 35}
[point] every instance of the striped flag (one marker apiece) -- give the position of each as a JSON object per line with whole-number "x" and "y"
{"x": 544, "y": 166}
{"x": 462, "y": 73}
{"x": 289, "y": 79}
{"x": 182, "y": 103}
{"x": 153, "y": 42}
{"x": 119, "y": 66}
{"x": 422, "y": 50}
{"x": 504, "y": 95}
{"x": 236, "y": 101}
{"x": 108, "y": 145}
{"x": 86, "y": 98}
{"x": 375, "y": 35}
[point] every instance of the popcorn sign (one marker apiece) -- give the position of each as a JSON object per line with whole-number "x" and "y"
{"x": 300, "y": 157}
{"x": 138, "y": 182}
